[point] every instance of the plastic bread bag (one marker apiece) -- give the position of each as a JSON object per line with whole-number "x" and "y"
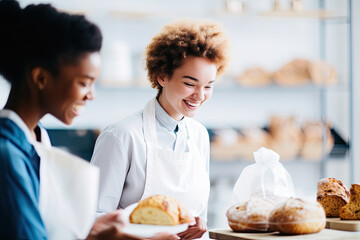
{"x": 250, "y": 216}
{"x": 266, "y": 179}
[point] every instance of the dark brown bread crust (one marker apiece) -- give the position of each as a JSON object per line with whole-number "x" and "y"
{"x": 351, "y": 211}
{"x": 332, "y": 195}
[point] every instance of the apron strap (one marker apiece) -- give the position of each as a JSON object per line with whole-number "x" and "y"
{"x": 150, "y": 123}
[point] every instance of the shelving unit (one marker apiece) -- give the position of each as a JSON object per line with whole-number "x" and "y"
{"x": 323, "y": 23}
{"x": 325, "y": 18}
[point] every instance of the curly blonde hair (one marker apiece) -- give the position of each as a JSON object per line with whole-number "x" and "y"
{"x": 181, "y": 39}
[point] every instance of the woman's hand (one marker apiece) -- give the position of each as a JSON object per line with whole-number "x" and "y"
{"x": 194, "y": 231}
{"x": 109, "y": 227}
{"x": 104, "y": 221}
{"x": 164, "y": 236}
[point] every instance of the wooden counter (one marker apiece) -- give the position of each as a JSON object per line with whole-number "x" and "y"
{"x": 328, "y": 234}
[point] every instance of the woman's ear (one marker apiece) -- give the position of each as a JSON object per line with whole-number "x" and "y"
{"x": 39, "y": 76}
{"x": 162, "y": 78}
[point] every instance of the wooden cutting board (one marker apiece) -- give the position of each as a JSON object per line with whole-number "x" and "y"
{"x": 328, "y": 234}
{"x": 346, "y": 225}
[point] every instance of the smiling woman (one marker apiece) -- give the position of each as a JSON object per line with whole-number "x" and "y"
{"x": 161, "y": 149}
{"x": 51, "y": 59}
{"x": 67, "y": 92}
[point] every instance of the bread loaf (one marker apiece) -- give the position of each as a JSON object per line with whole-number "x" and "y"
{"x": 251, "y": 140}
{"x": 351, "y": 210}
{"x": 294, "y": 73}
{"x": 296, "y": 216}
{"x": 255, "y": 77}
{"x": 286, "y": 135}
{"x": 160, "y": 210}
{"x": 250, "y": 216}
{"x": 332, "y": 195}
{"x": 322, "y": 73}
{"x": 313, "y": 141}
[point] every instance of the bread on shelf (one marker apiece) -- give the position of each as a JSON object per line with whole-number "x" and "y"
{"x": 294, "y": 73}
{"x": 322, "y": 73}
{"x": 251, "y": 140}
{"x": 313, "y": 141}
{"x": 296, "y": 216}
{"x": 286, "y": 137}
{"x": 332, "y": 195}
{"x": 254, "y": 77}
{"x": 351, "y": 211}
{"x": 160, "y": 210}
{"x": 250, "y": 216}
{"x": 224, "y": 144}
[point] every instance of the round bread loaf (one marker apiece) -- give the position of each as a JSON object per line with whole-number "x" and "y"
{"x": 250, "y": 216}
{"x": 255, "y": 77}
{"x": 312, "y": 148}
{"x": 160, "y": 210}
{"x": 294, "y": 73}
{"x": 251, "y": 140}
{"x": 322, "y": 73}
{"x": 296, "y": 216}
{"x": 286, "y": 135}
{"x": 332, "y": 195}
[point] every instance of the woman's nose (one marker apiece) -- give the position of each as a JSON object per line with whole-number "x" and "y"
{"x": 199, "y": 94}
{"x": 91, "y": 93}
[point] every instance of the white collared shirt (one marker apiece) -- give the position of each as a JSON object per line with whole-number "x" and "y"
{"x": 120, "y": 153}
{"x": 6, "y": 113}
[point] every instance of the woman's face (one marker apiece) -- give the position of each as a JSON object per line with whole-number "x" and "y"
{"x": 190, "y": 86}
{"x": 68, "y": 91}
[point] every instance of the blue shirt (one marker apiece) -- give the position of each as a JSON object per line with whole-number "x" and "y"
{"x": 19, "y": 185}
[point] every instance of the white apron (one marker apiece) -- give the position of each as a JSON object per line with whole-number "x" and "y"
{"x": 181, "y": 175}
{"x": 68, "y": 193}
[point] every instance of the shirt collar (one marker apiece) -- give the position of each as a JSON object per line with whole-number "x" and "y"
{"x": 6, "y": 113}
{"x": 164, "y": 118}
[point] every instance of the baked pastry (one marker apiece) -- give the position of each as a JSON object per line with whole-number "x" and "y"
{"x": 296, "y": 216}
{"x": 322, "y": 73}
{"x": 224, "y": 144}
{"x": 352, "y": 209}
{"x": 332, "y": 195}
{"x": 250, "y": 141}
{"x": 160, "y": 210}
{"x": 312, "y": 148}
{"x": 286, "y": 137}
{"x": 250, "y": 216}
{"x": 294, "y": 73}
{"x": 254, "y": 77}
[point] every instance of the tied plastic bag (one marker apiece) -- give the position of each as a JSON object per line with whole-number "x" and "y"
{"x": 266, "y": 179}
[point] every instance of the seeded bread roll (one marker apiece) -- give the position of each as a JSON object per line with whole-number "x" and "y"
{"x": 332, "y": 195}
{"x": 351, "y": 211}
{"x": 296, "y": 216}
{"x": 250, "y": 216}
{"x": 160, "y": 210}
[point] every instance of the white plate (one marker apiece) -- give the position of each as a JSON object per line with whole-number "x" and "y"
{"x": 145, "y": 231}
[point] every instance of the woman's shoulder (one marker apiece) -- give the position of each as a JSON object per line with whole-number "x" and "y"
{"x": 197, "y": 127}
{"x": 129, "y": 124}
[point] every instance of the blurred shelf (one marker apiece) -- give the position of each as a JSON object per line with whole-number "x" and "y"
{"x": 233, "y": 86}
{"x": 321, "y": 14}
{"x": 274, "y": 87}
{"x": 137, "y": 15}
{"x": 338, "y": 153}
